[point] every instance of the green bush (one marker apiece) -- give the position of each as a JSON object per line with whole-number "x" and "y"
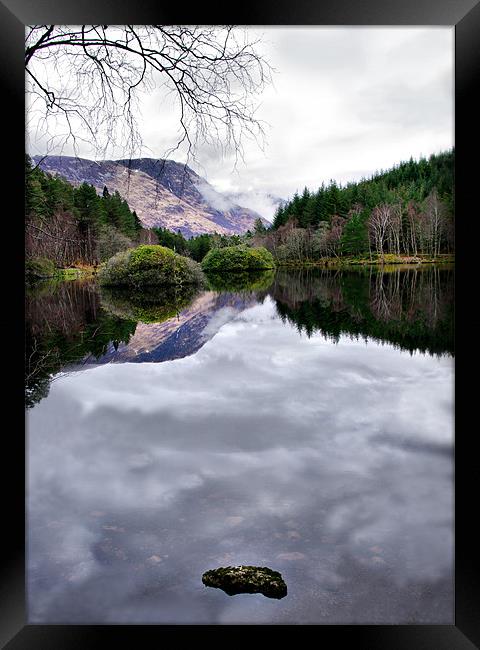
{"x": 39, "y": 267}
{"x": 238, "y": 258}
{"x": 148, "y": 265}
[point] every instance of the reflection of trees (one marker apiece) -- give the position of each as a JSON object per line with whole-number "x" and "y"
{"x": 431, "y": 296}
{"x": 411, "y": 308}
{"x": 385, "y": 300}
{"x": 299, "y": 285}
{"x": 61, "y": 306}
{"x": 65, "y": 324}
{"x": 417, "y": 293}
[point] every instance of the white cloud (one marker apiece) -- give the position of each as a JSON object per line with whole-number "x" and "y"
{"x": 262, "y": 203}
{"x": 213, "y": 198}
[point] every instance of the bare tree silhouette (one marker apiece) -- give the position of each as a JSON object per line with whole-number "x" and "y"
{"x": 84, "y": 84}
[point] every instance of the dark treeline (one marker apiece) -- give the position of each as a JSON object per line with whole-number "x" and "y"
{"x": 411, "y": 309}
{"x": 71, "y": 225}
{"x": 407, "y": 210}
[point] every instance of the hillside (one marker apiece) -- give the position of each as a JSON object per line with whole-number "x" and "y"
{"x": 163, "y": 193}
{"x": 409, "y": 180}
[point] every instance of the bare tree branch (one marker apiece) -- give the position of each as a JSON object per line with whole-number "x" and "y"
{"x": 84, "y": 84}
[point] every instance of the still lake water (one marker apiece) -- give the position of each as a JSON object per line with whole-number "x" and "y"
{"x": 303, "y": 421}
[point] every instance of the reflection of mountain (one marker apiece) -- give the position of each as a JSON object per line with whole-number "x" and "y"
{"x": 71, "y": 324}
{"x": 181, "y": 335}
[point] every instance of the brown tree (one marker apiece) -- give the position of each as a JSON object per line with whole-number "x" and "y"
{"x": 334, "y": 236}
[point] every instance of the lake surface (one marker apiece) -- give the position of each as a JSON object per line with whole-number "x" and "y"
{"x": 301, "y": 421}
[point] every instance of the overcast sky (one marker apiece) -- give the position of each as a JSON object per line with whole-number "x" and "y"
{"x": 345, "y": 102}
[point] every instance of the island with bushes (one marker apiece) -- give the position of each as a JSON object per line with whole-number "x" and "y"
{"x": 150, "y": 265}
{"x": 238, "y": 259}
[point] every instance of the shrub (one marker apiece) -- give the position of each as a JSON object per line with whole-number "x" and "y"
{"x": 150, "y": 266}
{"x": 39, "y": 267}
{"x": 238, "y": 258}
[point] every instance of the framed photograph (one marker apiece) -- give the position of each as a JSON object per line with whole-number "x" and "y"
{"x": 239, "y": 281}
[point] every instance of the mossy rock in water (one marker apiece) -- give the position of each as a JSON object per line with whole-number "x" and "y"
{"x": 37, "y": 268}
{"x": 238, "y": 258}
{"x": 246, "y": 580}
{"x": 148, "y": 266}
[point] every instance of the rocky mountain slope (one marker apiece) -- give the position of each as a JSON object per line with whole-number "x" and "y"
{"x": 163, "y": 193}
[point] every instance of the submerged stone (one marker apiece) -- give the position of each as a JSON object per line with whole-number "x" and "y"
{"x": 246, "y": 580}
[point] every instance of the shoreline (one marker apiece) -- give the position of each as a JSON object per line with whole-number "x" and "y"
{"x": 386, "y": 260}
{"x": 63, "y": 275}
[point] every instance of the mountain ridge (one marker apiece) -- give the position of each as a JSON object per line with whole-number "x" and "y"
{"x": 163, "y": 193}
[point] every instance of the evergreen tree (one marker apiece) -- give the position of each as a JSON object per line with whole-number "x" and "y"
{"x": 355, "y": 235}
{"x": 36, "y": 204}
{"x": 280, "y": 217}
{"x": 259, "y": 227}
{"x": 137, "y": 224}
{"x": 409, "y": 183}
{"x": 88, "y": 205}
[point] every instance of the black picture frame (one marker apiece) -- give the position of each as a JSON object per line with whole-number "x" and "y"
{"x": 15, "y": 634}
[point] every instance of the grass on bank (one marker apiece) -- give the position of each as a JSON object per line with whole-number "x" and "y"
{"x": 375, "y": 259}
{"x": 41, "y": 268}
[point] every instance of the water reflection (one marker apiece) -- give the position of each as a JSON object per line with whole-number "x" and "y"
{"x": 151, "y": 305}
{"x": 243, "y": 281}
{"x": 166, "y": 332}
{"x": 71, "y": 322}
{"x": 330, "y": 462}
{"x": 65, "y": 324}
{"x": 270, "y": 435}
{"x": 410, "y": 307}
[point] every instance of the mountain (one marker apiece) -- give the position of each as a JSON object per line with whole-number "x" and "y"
{"x": 163, "y": 193}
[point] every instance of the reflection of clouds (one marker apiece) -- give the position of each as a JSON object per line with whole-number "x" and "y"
{"x": 220, "y": 317}
{"x": 313, "y": 449}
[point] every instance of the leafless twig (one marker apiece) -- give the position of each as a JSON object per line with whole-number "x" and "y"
{"x": 84, "y": 84}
